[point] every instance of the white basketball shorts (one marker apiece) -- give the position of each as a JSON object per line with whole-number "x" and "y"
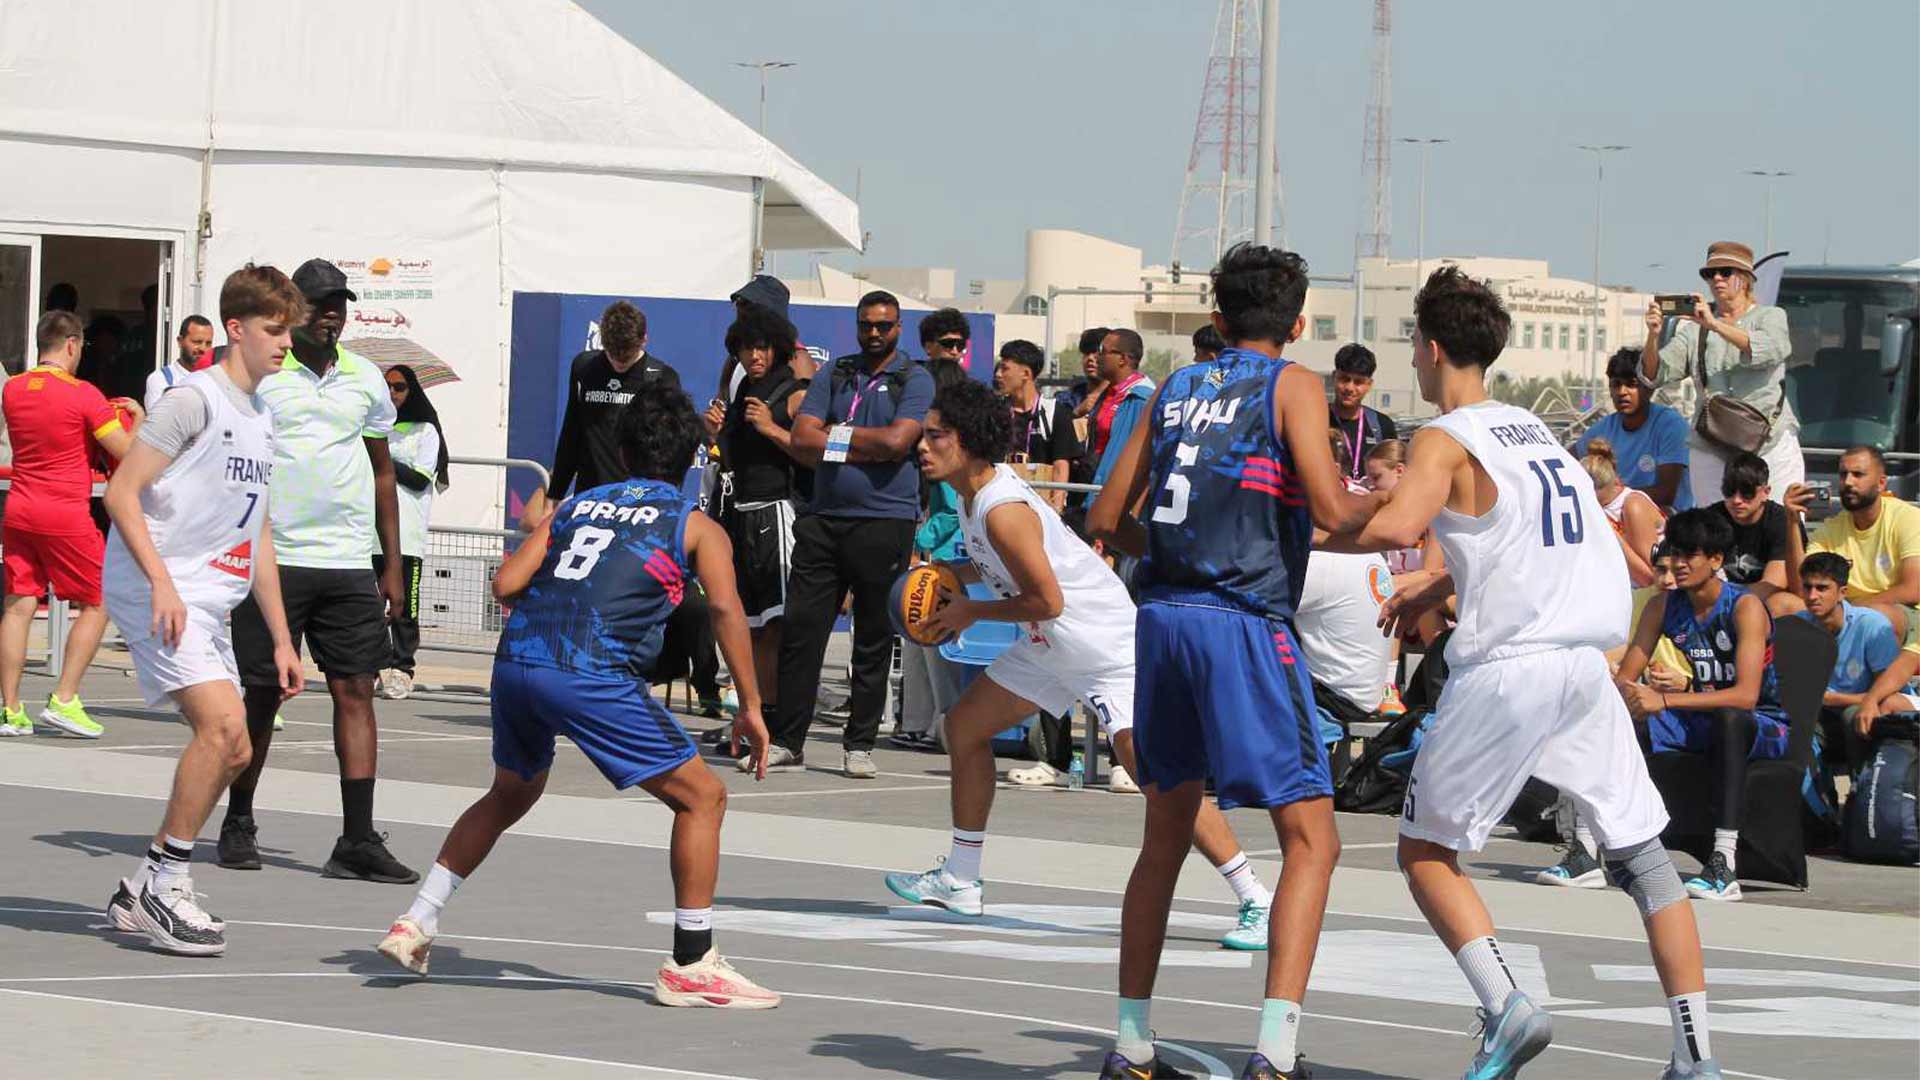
{"x": 1053, "y": 685}
{"x": 204, "y": 654}
{"x": 1555, "y": 715}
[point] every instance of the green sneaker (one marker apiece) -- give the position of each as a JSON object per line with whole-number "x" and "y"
{"x": 71, "y": 717}
{"x": 279, "y": 722}
{"x": 1251, "y": 934}
{"x": 14, "y": 722}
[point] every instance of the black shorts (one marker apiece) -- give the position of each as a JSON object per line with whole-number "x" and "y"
{"x": 762, "y": 553}
{"x": 340, "y": 614}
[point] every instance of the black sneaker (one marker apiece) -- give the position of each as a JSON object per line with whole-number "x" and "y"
{"x": 1259, "y": 1068}
{"x": 367, "y": 860}
{"x": 1576, "y": 870}
{"x": 1119, "y": 1068}
{"x": 175, "y": 924}
{"x": 237, "y": 848}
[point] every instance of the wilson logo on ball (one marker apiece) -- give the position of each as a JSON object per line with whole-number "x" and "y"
{"x": 916, "y": 596}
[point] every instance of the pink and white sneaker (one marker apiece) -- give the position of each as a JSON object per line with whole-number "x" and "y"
{"x": 407, "y": 945}
{"x": 709, "y": 983}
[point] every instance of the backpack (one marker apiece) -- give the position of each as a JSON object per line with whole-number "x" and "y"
{"x": 1377, "y": 783}
{"x": 1882, "y": 823}
{"x": 846, "y": 369}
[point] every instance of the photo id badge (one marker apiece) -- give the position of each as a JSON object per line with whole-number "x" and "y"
{"x": 839, "y": 441}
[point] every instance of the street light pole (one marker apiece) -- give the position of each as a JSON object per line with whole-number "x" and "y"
{"x": 1769, "y": 175}
{"x": 1593, "y": 314}
{"x": 760, "y": 182}
{"x": 1420, "y": 248}
{"x": 1269, "y": 108}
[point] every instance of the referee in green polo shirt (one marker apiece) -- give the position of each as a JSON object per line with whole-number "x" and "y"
{"x": 334, "y": 507}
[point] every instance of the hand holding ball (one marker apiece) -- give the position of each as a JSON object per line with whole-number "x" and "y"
{"x": 917, "y": 595}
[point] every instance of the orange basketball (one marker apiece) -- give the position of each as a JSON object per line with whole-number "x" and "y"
{"x": 916, "y": 596}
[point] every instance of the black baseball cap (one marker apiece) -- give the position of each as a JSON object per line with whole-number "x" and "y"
{"x": 318, "y": 279}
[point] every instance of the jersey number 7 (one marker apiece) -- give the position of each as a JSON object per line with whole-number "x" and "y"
{"x": 1572, "y": 528}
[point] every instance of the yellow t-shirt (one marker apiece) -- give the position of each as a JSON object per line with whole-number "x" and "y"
{"x": 1876, "y": 552}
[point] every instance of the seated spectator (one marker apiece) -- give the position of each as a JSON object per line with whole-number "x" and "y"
{"x": 1386, "y": 465}
{"x": 1337, "y": 621}
{"x": 1878, "y": 535}
{"x": 1649, "y": 439}
{"x": 1732, "y": 711}
{"x": 1758, "y": 557}
{"x": 1635, "y": 519}
{"x": 1870, "y": 666}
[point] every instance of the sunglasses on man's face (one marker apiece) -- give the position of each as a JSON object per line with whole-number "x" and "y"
{"x": 881, "y": 326}
{"x": 953, "y": 344}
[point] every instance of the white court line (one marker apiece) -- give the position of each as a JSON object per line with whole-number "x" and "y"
{"x": 830, "y": 791}
{"x": 373, "y": 1034}
{"x": 1214, "y": 901}
{"x": 1216, "y": 1069}
{"x": 282, "y": 744}
{"x": 854, "y": 968}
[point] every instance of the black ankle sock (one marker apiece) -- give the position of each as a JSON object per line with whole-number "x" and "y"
{"x": 356, "y": 808}
{"x": 690, "y": 945}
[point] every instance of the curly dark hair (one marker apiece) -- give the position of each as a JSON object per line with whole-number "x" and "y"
{"x": 978, "y": 417}
{"x": 1260, "y": 291}
{"x": 1624, "y": 365}
{"x": 1463, "y": 316}
{"x": 939, "y": 324}
{"x": 658, "y": 432}
{"x": 755, "y": 326}
{"x": 623, "y": 328}
{"x": 1355, "y": 359}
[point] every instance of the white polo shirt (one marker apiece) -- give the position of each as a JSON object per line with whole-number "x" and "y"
{"x": 322, "y": 500}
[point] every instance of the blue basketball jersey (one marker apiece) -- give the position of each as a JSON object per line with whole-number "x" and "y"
{"x": 1709, "y": 643}
{"x": 1227, "y": 520}
{"x": 616, "y": 567}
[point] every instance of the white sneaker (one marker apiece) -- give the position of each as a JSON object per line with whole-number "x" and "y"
{"x": 710, "y": 983}
{"x": 407, "y": 945}
{"x": 937, "y": 888}
{"x": 169, "y": 917}
{"x": 858, "y": 765}
{"x": 1041, "y": 775}
{"x": 395, "y": 685}
{"x": 779, "y": 759}
{"x": 1120, "y": 783}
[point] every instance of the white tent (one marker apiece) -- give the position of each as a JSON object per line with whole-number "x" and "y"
{"x": 446, "y": 155}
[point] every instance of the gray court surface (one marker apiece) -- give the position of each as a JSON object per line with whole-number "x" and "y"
{"x": 547, "y": 955}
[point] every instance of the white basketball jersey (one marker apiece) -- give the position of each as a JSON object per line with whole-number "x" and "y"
{"x": 1096, "y": 620}
{"x": 206, "y": 509}
{"x": 1542, "y": 568}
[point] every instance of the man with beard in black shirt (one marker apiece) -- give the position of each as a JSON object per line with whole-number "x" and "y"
{"x": 1758, "y": 557}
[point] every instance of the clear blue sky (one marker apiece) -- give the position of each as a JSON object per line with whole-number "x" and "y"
{"x": 970, "y": 123}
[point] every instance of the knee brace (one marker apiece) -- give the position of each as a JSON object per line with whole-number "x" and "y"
{"x": 1645, "y": 872}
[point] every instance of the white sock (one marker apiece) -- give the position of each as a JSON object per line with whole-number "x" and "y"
{"x": 176, "y": 856}
{"x": 1689, "y": 1013}
{"x": 693, "y": 918}
{"x": 1244, "y": 882}
{"x": 1486, "y": 972}
{"x": 433, "y": 896}
{"x": 1134, "y": 1040}
{"x": 149, "y": 866}
{"x": 1727, "y": 842}
{"x": 1583, "y": 835}
{"x": 1279, "y": 1032}
{"x": 963, "y": 861}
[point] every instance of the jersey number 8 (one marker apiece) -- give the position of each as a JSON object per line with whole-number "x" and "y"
{"x": 589, "y": 543}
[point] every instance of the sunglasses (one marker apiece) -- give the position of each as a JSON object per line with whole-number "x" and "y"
{"x": 1719, "y": 272}
{"x": 953, "y": 343}
{"x": 882, "y": 326}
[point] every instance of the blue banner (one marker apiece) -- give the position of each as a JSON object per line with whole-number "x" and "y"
{"x": 550, "y": 329}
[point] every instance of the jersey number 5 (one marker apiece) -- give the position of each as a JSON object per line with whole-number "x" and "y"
{"x": 589, "y": 543}
{"x": 1179, "y": 488}
{"x": 1572, "y": 528}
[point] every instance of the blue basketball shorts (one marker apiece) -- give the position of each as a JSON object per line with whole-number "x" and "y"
{"x": 1692, "y": 731}
{"x": 1226, "y": 694}
{"x": 627, "y": 735}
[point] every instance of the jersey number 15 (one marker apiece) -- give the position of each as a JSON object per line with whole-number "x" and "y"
{"x": 1553, "y": 489}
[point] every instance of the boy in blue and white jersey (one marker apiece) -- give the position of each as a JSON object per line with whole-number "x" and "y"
{"x": 1233, "y": 464}
{"x": 590, "y": 592}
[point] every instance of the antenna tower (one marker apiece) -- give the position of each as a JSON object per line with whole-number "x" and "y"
{"x": 1216, "y": 203}
{"x": 1376, "y": 148}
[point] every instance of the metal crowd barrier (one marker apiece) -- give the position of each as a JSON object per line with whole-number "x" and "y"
{"x": 457, "y": 611}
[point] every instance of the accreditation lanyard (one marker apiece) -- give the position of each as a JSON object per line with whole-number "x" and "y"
{"x": 861, "y": 391}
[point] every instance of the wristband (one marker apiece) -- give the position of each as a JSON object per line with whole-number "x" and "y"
{"x": 839, "y": 441}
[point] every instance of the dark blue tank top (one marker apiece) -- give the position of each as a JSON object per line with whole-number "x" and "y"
{"x": 1226, "y": 516}
{"x": 616, "y": 567}
{"x": 1709, "y": 643}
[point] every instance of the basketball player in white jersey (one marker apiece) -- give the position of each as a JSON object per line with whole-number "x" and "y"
{"x": 1542, "y": 590}
{"x": 190, "y": 539}
{"x": 1077, "y": 625}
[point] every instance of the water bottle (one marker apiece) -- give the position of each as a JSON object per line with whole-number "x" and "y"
{"x": 1077, "y": 775}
